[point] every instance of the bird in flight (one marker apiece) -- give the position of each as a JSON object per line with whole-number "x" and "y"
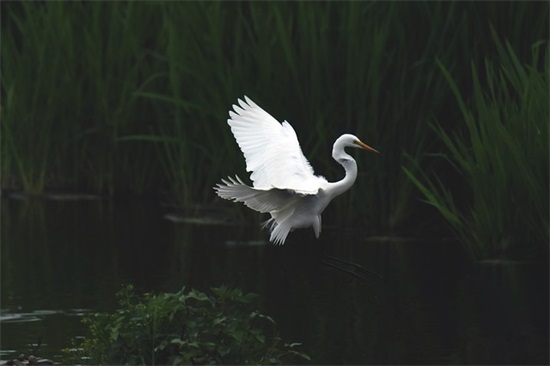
{"x": 284, "y": 183}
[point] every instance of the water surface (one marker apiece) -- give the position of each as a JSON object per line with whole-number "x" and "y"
{"x": 61, "y": 260}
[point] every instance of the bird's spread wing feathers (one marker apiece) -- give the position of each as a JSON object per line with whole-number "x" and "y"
{"x": 271, "y": 150}
{"x": 261, "y": 200}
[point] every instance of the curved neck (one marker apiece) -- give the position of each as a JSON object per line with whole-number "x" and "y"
{"x": 350, "y": 166}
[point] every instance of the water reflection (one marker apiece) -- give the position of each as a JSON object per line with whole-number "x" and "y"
{"x": 60, "y": 259}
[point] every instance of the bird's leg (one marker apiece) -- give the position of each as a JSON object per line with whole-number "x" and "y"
{"x": 354, "y": 269}
{"x": 354, "y": 265}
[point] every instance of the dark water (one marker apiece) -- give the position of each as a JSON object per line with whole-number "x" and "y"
{"x": 61, "y": 260}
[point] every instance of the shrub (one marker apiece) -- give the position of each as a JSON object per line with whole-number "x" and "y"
{"x": 186, "y": 327}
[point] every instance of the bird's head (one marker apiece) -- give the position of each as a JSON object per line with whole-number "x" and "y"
{"x": 349, "y": 140}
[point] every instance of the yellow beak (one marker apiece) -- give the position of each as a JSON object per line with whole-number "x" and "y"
{"x": 364, "y": 146}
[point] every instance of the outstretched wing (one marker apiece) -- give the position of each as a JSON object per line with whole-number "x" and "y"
{"x": 271, "y": 150}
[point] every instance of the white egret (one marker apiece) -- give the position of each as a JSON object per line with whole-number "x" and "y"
{"x": 284, "y": 184}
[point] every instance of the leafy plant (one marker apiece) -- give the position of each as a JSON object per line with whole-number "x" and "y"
{"x": 185, "y": 327}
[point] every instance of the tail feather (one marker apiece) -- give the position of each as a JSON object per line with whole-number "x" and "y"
{"x": 278, "y": 231}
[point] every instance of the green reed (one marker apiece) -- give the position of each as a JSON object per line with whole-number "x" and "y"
{"x": 68, "y": 72}
{"x": 133, "y": 97}
{"x": 28, "y": 120}
{"x": 501, "y": 155}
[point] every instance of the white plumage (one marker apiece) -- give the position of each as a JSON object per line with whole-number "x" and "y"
{"x": 284, "y": 183}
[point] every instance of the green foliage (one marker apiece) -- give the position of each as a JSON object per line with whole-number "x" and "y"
{"x": 501, "y": 155}
{"x": 186, "y": 327}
